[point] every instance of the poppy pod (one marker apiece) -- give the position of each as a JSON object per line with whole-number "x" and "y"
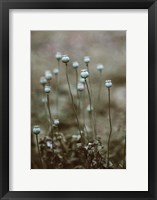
{"x": 100, "y": 67}
{"x": 84, "y": 73}
{"x": 56, "y": 71}
{"x": 47, "y": 89}
{"x": 48, "y": 75}
{"x": 65, "y": 59}
{"x": 87, "y": 59}
{"x": 108, "y": 83}
{"x": 58, "y": 56}
{"x": 36, "y": 129}
{"x": 80, "y": 87}
{"x": 56, "y": 122}
{"x": 75, "y": 64}
{"x": 43, "y": 80}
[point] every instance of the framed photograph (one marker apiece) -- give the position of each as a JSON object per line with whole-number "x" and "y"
{"x": 78, "y": 95}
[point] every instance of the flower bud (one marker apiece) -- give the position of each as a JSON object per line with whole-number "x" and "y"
{"x": 36, "y": 129}
{"x": 80, "y": 87}
{"x": 47, "y": 89}
{"x": 58, "y": 56}
{"x": 87, "y": 59}
{"x": 75, "y": 64}
{"x": 84, "y": 73}
{"x": 82, "y": 80}
{"x": 43, "y": 80}
{"x": 65, "y": 59}
{"x": 56, "y": 122}
{"x": 89, "y": 108}
{"x": 48, "y": 75}
{"x": 100, "y": 67}
{"x": 89, "y": 144}
{"x": 59, "y": 137}
{"x": 108, "y": 83}
{"x": 76, "y": 138}
{"x": 56, "y": 71}
{"x": 49, "y": 144}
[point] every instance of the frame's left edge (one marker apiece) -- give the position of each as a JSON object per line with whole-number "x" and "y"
{"x": 1, "y": 181}
{"x": 4, "y": 104}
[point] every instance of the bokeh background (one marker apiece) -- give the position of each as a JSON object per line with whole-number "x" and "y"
{"x": 105, "y": 47}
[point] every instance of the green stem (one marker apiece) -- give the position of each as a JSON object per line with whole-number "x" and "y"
{"x": 83, "y": 107}
{"x": 100, "y": 83}
{"x": 39, "y": 150}
{"x": 76, "y": 85}
{"x": 50, "y": 116}
{"x": 72, "y": 100}
{"x": 79, "y": 102}
{"x": 91, "y": 112}
{"x": 89, "y": 96}
{"x": 94, "y": 119}
{"x": 108, "y": 145}
{"x": 45, "y": 108}
{"x": 89, "y": 80}
{"x": 124, "y": 161}
{"x": 80, "y": 108}
{"x": 57, "y": 96}
{"x": 83, "y": 113}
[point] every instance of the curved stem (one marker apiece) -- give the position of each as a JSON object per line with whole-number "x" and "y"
{"x": 76, "y": 85}
{"x": 83, "y": 113}
{"x": 100, "y": 81}
{"x": 124, "y": 160}
{"x": 72, "y": 100}
{"x": 79, "y": 104}
{"x": 81, "y": 109}
{"x": 94, "y": 119}
{"x": 45, "y": 107}
{"x": 89, "y": 80}
{"x": 57, "y": 96}
{"x": 108, "y": 152}
{"x": 89, "y": 96}
{"x": 50, "y": 116}
{"x": 91, "y": 112}
{"x": 39, "y": 150}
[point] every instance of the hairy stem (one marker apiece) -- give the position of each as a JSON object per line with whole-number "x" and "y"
{"x": 81, "y": 109}
{"x": 83, "y": 113}
{"x": 39, "y": 150}
{"x": 44, "y": 101}
{"x": 89, "y": 80}
{"x": 108, "y": 144}
{"x": 76, "y": 86}
{"x": 72, "y": 100}
{"x": 89, "y": 96}
{"x": 124, "y": 160}
{"x": 57, "y": 96}
{"x": 50, "y": 116}
{"x": 91, "y": 112}
{"x": 100, "y": 84}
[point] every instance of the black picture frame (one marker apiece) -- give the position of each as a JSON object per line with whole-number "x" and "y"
{"x": 5, "y": 6}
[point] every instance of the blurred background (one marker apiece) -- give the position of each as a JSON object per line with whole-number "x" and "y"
{"x": 105, "y": 47}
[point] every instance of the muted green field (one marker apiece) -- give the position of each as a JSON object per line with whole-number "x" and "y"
{"x": 106, "y": 47}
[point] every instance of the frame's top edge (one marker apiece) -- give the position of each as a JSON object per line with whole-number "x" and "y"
{"x": 78, "y": 4}
{"x": 80, "y": 1}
